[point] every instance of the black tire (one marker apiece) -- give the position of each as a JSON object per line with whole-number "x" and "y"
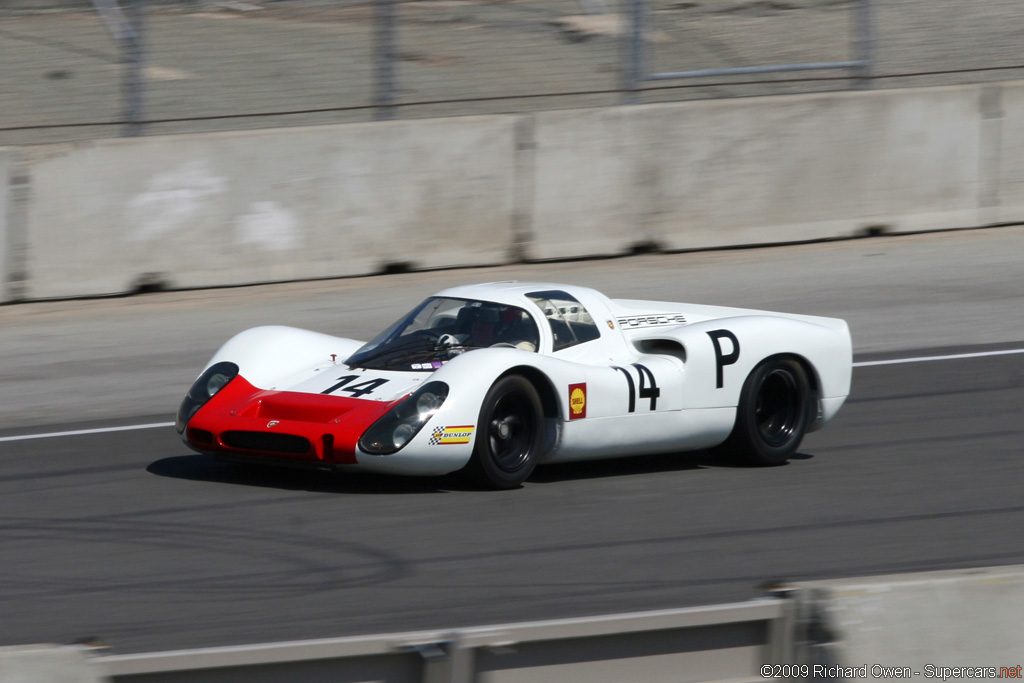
{"x": 773, "y": 413}
{"x": 509, "y": 434}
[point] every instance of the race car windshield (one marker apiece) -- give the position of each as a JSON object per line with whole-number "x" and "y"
{"x": 441, "y": 328}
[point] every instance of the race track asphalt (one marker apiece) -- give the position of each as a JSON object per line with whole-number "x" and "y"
{"x": 129, "y": 538}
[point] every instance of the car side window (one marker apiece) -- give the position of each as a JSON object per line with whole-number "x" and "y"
{"x": 570, "y": 322}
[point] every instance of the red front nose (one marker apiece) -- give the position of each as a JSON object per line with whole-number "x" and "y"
{"x": 244, "y": 420}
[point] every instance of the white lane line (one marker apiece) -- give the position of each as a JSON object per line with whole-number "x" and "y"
{"x": 154, "y": 425}
{"x": 925, "y": 359}
{"x": 78, "y": 432}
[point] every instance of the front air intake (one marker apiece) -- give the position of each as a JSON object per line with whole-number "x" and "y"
{"x": 266, "y": 442}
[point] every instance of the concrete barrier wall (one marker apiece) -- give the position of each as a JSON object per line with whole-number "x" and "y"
{"x": 222, "y": 209}
{"x": 47, "y": 664}
{"x": 6, "y": 163}
{"x": 1008, "y": 164}
{"x": 956, "y": 618}
{"x": 232, "y": 208}
{"x": 731, "y": 172}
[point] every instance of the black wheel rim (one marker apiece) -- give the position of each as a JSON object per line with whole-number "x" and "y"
{"x": 777, "y": 411}
{"x": 510, "y": 432}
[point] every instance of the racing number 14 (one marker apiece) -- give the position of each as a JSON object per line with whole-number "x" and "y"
{"x": 356, "y": 390}
{"x": 650, "y": 390}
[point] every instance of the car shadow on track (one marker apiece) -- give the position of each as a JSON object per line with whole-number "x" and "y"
{"x": 638, "y": 464}
{"x": 205, "y": 468}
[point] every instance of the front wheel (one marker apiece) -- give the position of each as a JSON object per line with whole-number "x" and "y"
{"x": 773, "y": 413}
{"x": 508, "y": 436}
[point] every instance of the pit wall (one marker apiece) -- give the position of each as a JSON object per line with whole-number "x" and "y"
{"x": 204, "y": 210}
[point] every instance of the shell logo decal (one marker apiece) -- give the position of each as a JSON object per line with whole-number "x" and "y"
{"x": 577, "y": 401}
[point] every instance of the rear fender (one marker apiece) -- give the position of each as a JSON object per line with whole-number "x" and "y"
{"x": 720, "y": 354}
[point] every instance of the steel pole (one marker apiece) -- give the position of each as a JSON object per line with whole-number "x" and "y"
{"x": 864, "y": 42}
{"x": 384, "y": 60}
{"x": 633, "y": 72}
{"x": 134, "y": 73}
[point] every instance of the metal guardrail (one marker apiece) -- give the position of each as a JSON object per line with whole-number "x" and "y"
{"x": 634, "y": 68}
{"x": 930, "y": 623}
{"x": 721, "y": 642}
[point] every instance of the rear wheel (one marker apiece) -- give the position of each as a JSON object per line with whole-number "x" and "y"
{"x": 773, "y": 413}
{"x": 508, "y": 436}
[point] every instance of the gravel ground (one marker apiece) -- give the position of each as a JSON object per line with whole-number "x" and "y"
{"x": 60, "y": 65}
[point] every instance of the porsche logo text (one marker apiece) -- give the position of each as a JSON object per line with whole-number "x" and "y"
{"x": 652, "y": 320}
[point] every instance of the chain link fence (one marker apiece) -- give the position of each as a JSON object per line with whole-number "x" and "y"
{"x": 71, "y": 69}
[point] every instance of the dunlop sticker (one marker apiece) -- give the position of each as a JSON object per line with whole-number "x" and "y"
{"x": 443, "y": 436}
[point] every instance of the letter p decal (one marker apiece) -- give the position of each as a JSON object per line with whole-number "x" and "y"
{"x": 721, "y": 360}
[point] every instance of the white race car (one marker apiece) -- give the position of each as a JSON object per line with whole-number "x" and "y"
{"x": 496, "y": 378}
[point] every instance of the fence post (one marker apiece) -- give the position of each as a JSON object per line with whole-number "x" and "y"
{"x": 384, "y": 60}
{"x": 633, "y": 36}
{"x": 135, "y": 62}
{"x": 864, "y": 42}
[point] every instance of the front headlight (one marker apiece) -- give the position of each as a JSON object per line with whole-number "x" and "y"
{"x": 397, "y": 428}
{"x": 428, "y": 403}
{"x": 217, "y": 382}
{"x": 215, "y": 378}
{"x": 403, "y": 433}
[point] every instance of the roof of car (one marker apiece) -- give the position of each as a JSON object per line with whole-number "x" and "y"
{"x": 511, "y": 291}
